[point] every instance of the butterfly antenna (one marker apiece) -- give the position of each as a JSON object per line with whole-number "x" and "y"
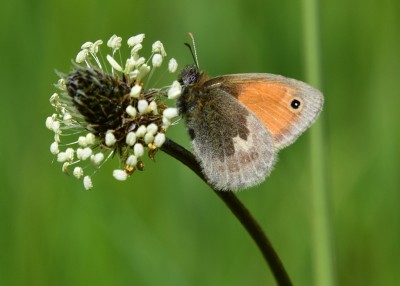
{"x": 193, "y": 51}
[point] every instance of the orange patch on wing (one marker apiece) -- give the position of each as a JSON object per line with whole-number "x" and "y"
{"x": 270, "y": 102}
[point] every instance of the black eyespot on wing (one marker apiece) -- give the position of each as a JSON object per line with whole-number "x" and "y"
{"x": 295, "y": 104}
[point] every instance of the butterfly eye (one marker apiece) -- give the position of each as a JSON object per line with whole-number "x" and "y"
{"x": 296, "y": 104}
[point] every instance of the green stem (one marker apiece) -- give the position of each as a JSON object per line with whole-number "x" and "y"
{"x": 322, "y": 253}
{"x": 239, "y": 210}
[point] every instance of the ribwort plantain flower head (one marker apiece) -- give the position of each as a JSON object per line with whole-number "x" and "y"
{"x": 104, "y": 109}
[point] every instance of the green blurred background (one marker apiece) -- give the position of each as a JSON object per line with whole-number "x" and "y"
{"x": 164, "y": 226}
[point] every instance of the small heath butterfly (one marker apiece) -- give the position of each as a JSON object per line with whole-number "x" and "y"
{"x": 238, "y": 123}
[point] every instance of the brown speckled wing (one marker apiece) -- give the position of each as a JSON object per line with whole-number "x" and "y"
{"x": 233, "y": 147}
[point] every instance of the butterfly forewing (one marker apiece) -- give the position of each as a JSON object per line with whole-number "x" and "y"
{"x": 286, "y": 107}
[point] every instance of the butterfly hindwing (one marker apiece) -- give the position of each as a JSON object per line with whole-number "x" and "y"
{"x": 233, "y": 147}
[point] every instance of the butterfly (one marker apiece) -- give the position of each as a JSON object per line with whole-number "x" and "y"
{"x": 237, "y": 123}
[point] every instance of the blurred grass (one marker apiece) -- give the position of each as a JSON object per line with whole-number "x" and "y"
{"x": 320, "y": 213}
{"x": 164, "y": 226}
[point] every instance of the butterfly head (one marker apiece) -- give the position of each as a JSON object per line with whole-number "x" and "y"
{"x": 189, "y": 75}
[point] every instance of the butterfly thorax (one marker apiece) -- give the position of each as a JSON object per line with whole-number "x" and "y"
{"x": 192, "y": 99}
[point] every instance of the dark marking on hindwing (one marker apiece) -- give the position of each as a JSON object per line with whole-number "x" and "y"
{"x": 213, "y": 116}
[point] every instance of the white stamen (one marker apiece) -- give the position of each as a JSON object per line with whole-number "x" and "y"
{"x": 131, "y": 138}
{"x": 143, "y": 71}
{"x": 131, "y": 111}
{"x": 61, "y": 84}
{"x": 54, "y": 99}
{"x": 159, "y": 139}
{"x": 172, "y": 65}
{"x": 49, "y": 123}
{"x": 140, "y": 61}
{"x": 65, "y": 166}
{"x": 120, "y": 175}
{"x": 90, "y": 139}
{"x": 153, "y": 107}
{"x": 114, "y": 42}
{"x": 78, "y": 172}
{"x": 175, "y": 90}
{"x": 57, "y": 137}
{"x": 83, "y": 154}
{"x": 79, "y": 152}
{"x": 62, "y": 157}
{"x": 131, "y": 161}
{"x": 158, "y": 47}
{"x": 157, "y": 60}
{"x": 110, "y": 138}
{"x": 82, "y": 56}
{"x": 114, "y": 63}
{"x": 56, "y": 126}
{"x": 152, "y": 128}
{"x": 67, "y": 117}
{"x": 95, "y": 47}
{"x": 82, "y": 141}
{"x": 132, "y": 41}
{"x": 87, "y": 183}
{"x": 97, "y": 159}
{"x": 170, "y": 112}
{"x": 148, "y": 138}
{"x": 54, "y": 148}
{"x": 138, "y": 150}
{"x": 136, "y": 49}
{"x": 70, "y": 153}
{"x": 86, "y": 45}
{"x": 133, "y": 74}
{"x": 141, "y": 131}
{"x": 135, "y": 91}
{"x": 166, "y": 122}
{"x": 143, "y": 105}
{"x": 130, "y": 65}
